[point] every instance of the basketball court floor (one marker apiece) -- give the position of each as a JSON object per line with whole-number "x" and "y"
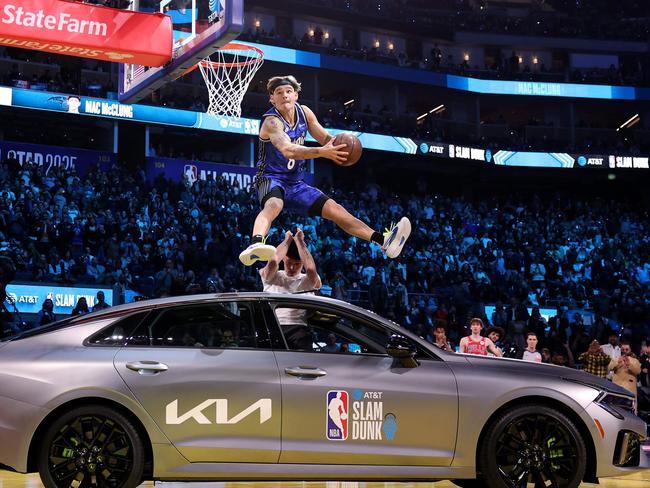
{"x": 14, "y": 480}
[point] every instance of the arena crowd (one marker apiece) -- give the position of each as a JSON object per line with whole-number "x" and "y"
{"x": 516, "y": 253}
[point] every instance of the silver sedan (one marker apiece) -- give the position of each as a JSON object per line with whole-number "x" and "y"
{"x": 279, "y": 387}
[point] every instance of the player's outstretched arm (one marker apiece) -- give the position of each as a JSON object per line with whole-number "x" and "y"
{"x": 274, "y": 130}
{"x": 307, "y": 260}
{"x": 317, "y": 131}
{"x": 268, "y": 272}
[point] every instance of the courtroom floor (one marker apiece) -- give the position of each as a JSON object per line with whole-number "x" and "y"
{"x": 15, "y": 480}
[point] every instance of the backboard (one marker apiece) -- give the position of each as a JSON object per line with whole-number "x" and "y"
{"x": 200, "y": 28}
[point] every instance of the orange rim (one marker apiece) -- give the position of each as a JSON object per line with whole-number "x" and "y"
{"x": 234, "y": 46}
{"x": 231, "y": 46}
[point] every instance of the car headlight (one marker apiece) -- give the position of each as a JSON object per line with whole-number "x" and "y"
{"x": 611, "y": 401}
{"x": 614, "y": 403}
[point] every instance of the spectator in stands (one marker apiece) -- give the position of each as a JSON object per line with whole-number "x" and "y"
{"x": 378, "y": 295}
{"x": 496, "y": 335}
{"x": 563, "y": 359}
{"x": 165, "y": 278}
{"x": 499, "y": 317}
{"x": 430, "y": 272}
{"x": 626, "y": 368}
{"x": 612, "y": 349}
{"x": 594, "y": 360}
{"x": 214, "y": 283}
{"x": 101, "y": 302}
{"x": 81, "y": 308}
{"x": 644, "y": 359}
{"x": 400, "y": 298}
{"x": 46, "y": 313}
{"x": 440, "y": 339}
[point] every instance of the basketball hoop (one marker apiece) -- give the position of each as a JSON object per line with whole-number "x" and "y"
{"x": 228, "y": 77}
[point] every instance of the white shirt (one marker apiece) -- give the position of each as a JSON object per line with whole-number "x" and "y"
{"x": 613, "y": 352}
{"x": 281, "y": 283}
{"x": 534, "y": 357}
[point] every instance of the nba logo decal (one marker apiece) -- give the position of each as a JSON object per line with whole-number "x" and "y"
{"x": 337, "y": 415}
{"x": 191, "y": 172}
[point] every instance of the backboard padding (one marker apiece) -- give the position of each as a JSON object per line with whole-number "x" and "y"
{"x": 204, "y": 28}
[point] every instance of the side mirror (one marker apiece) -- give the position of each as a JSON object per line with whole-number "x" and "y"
{"x": 402, "y": 350}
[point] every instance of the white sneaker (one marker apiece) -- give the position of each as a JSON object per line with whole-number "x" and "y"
{"x": 395, "y": 237}
{"x": 256, "y": 252}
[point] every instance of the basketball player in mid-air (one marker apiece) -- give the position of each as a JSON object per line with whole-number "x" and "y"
{"x": 279, "y": 181}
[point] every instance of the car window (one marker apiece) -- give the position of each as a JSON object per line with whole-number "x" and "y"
{"x": 224, "y": 325}
{"x": 317, "y": 330}
{"x": 119, "y": 332}
{"x": 67, "y": 322}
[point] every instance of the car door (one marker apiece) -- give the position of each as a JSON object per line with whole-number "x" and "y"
{"x": 345, "y": 401}
{"x": 206, "y": 374}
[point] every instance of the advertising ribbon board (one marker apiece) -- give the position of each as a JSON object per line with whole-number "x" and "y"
{"x": 29, "y": 298}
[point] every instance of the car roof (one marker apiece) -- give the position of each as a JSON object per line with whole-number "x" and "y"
{"x": 208, "y": 297}
{"x": 119, "y": 311}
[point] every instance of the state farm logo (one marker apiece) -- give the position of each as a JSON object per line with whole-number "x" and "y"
{"x": 119, "y": 56}
{"x": 59, "y": 21}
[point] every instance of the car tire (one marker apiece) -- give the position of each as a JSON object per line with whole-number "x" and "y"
{"x": 88, "y": 442}
{"x": 532, "y": 443}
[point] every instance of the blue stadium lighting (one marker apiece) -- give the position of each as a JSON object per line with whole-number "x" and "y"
{"x": 474, "y": 85}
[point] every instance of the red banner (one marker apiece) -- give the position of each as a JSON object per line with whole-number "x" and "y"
{"x": 87, "y": 31}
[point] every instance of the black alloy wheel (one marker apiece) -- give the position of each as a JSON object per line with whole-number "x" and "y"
{"x": 91, "y": 446}
{"x": 533, "y": 444}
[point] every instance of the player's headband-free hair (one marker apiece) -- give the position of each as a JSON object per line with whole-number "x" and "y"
{"x": 293, "y": 252}
{"x": 274, "y": 83}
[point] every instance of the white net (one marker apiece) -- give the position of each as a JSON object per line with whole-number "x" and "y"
{"x": 227, "y": 75}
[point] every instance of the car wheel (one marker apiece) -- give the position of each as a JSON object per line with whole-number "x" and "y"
{"x": 532, "y": 444}
{"x": 91, "y": 446}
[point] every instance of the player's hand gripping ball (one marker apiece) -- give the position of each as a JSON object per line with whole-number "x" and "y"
{"x": 354, "y": 148}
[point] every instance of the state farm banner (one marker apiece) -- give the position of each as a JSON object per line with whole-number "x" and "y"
{"x": 87, "y": 31}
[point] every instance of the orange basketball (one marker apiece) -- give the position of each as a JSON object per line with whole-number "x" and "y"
{"x": 354, "y": 147}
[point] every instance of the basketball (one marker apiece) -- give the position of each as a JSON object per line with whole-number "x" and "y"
{"x": 354, "y": 147}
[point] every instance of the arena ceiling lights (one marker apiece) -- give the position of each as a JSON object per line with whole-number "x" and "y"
{"x": 437, "y": 110}
{"x": 632, "y": 121}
